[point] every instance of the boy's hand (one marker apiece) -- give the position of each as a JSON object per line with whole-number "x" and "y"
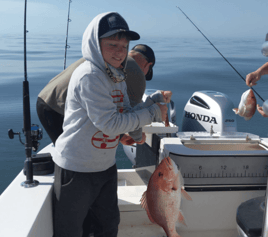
{"x": 143, "y": 139}
{"x": 128, "y": 140}
{"x": 164, "y": 110}
{"x": 167, "y": 96}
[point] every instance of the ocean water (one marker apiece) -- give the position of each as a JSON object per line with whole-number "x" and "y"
{"x": 183, "y": 65}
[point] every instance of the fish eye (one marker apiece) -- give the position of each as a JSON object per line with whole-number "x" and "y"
{"x": 160, "y": 174}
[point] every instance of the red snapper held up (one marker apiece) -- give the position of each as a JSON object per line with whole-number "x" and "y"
{"x": 247, "y": 105}
{"x": 162, "y": 198}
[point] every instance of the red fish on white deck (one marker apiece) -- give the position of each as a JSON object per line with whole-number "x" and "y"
{"x": 163, "y": 197}
{"x": 247, "y": 105}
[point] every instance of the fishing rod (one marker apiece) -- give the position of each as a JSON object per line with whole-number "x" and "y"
{"x": 32, "y": 132}
{"x": 66, "y": 44}
{"x": 27, "y": 118}
{"x": 220, "y": 53}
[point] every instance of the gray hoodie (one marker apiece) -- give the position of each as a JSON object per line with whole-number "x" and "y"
{"x": 97, "y": 111}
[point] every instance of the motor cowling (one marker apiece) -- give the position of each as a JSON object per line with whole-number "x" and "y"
{"x": 209, "y": 111}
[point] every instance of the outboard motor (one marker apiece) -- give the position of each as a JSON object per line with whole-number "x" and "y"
{"x": 209, "y": 111}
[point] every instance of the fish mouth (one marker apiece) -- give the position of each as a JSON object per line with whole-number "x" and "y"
{"x": 168, "y": 163}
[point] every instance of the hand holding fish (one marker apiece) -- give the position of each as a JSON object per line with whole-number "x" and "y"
{"x": 252, "y": 78}
{"x": 167, "y": 96}
{"x": 260, "y": 110}
{"x": 163, "y": 197}
{"x": 164, "y": 109}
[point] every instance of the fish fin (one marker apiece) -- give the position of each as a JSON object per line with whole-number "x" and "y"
{"x": 145, "y": 206}
{"x": 177, "y": 181}
{"x": 143, "y": 200}
{"x": 181, "y": 218}
{"x": 235, "y": 110}
{"x": 185, "y": 195}
{"x": 244, "y": 110}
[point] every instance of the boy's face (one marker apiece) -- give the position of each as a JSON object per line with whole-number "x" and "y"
{"x": 114, "y": 50}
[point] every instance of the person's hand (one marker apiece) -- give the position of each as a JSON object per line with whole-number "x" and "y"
{"x": 128, "y": 140}
{"x": 260, "y": 110}
{"x": 164, "y": 109}
{"x": 143, "y": 139}
{"x": 167, "y": 96}
{"x": 252, "y": 78}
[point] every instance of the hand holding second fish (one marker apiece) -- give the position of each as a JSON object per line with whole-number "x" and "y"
{"x": 252, "y": 78}
{"x": 260, "y": 110}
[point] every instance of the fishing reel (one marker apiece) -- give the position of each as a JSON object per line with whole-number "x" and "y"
{"x": 36, "y": 135}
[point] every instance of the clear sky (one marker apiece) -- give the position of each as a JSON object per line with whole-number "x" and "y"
{"x": 216, "y": 18}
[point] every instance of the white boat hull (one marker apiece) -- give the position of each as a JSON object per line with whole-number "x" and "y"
{"x": 28, "y": 212}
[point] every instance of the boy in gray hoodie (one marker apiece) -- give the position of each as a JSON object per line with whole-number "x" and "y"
{"x": 97, "y": 111}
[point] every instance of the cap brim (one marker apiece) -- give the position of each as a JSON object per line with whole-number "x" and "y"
{"x": 132, "y": 34}
{"x": 149, "y": 75}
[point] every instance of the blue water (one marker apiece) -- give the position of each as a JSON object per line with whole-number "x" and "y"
{"x": 183, "y": 65}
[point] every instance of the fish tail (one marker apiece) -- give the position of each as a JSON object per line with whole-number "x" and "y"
{"x": 175, "y": 234}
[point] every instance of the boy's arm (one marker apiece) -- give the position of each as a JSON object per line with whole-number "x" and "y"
{"x": 94, "y": 95}
{"x": 150, "y": 100}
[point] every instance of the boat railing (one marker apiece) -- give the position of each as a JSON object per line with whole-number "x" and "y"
{"x": 265, "y": 215}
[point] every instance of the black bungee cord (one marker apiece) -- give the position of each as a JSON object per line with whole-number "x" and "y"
{"x": 220, "y": 53}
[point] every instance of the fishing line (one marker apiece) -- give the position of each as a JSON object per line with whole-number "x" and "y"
{"x": 220, "y": 53}
{"x": 66, "y": 44}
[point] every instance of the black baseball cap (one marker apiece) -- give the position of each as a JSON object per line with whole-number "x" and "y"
{"x": 114, "y": 23}
{"x": 148, "y": 53}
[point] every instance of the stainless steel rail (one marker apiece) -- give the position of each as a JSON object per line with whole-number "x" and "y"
{"x": 265, "y": 215}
